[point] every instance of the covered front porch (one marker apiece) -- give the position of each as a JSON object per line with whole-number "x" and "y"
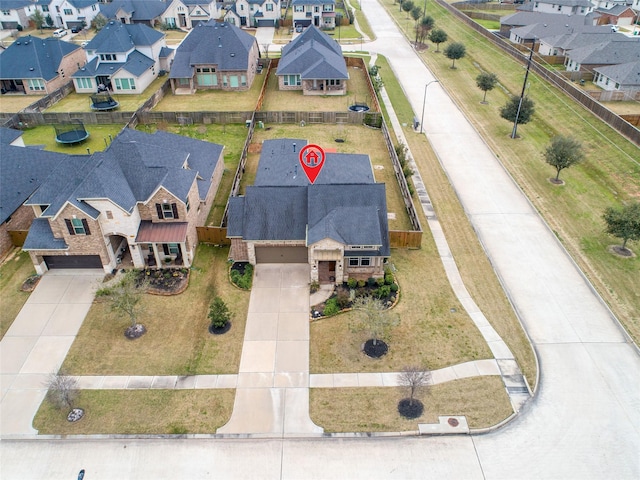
{"x": 324, "y": 87}
{"x": 163, "y": 245}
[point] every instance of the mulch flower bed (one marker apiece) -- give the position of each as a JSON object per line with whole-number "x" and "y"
{"x": 410, "y": 409}
{"x": 166, "y": 281}
{"x": 30, "y": 283}
{"x": 375, "y": 350}
{"x": 219, "y": 331}
{"x": 343, "y": 297}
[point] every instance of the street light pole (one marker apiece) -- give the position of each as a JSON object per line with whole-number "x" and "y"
{"x": 424, "y": 101}
{"x": 514, "y": 132}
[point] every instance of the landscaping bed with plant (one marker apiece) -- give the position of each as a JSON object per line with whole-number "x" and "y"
{"x": 241, "y": 275}
{"x": 165, "y": 281}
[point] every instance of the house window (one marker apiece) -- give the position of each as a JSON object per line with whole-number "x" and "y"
{"x": 243, "y": 80}
{"x": 68, "y": 11}
{"x": 108, "y": 57}
{"x": 93, "y": 7}
{"x": 125, "y": 84}
{"x": 35, "y": 84}
{"x": 299, "y": 8}
{"x": 6, "y": 12}
{"x": 292, "y": 80}
{"x": 174, "y": 249}
{"x": 354, "y": 261}
{"x": 77, "y": 226}
{"x": 334, "y": 82}
{"x": 316, "y": 9}
{"x": 188, "y": 204}
{"x": 233, "y": 81}
{"x": 84, "y": 83}
{"x": 109, "y": 214}
{"x": 45, "y": 8}
{"x": 167, "y": 211}
{"x": 269, "y": 7}
{"x": 359, "y": 261}
{"x": 225, "y": 81}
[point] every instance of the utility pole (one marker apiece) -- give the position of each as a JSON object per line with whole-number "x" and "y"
{"x": 524, "y": 87}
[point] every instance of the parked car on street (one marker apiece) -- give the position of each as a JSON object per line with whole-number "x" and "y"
{"x": 61, "y": 32}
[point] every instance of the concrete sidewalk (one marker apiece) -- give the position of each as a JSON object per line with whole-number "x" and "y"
{"x": 37, "y": 343}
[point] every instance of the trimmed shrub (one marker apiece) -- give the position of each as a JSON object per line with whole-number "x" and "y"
{"x": 331, "y": 307}
{"x": 361, "y": 283}
{"x": 388, "y": 278}
{"x": 352, "y": 283}
{"x": 219, "y": 313}
{"x": 343, "y": 299}
{"x": 380, "y": 281}
{"x": 383, "y": 291}
{"x": 371, "y": 281}
{"x": 393, "y": 287}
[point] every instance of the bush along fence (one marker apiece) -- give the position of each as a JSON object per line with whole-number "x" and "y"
{"x": 613, "y": 120}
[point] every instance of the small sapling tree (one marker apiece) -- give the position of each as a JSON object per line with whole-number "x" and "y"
{"x": 486, "y": 82}
{"x": 624, "y": 223}
{"x": 455, "y": 51}
{"x": 563, "y": 152}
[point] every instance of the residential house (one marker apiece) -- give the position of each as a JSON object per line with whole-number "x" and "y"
{"x": 186, "y": 14}
{"x": 614, "y": 52}
{"x": 319, "y": 13}
{"x": 526, "y": 19}
{"x": 560, "y": 45}
{"x": 13, "y": 14}
{"x": 37, "y": 66}
{"x": 22, "y": 172}
{"x": 541, "y": 26}
{"x": 563, "y": 7}
{"x": 125, "y": 58}
{"x": 338, "y": 224}
{"x": 146, "y": 12}
{"x": 619, "y": 14}
{"x": 254, "y": 13}
{"x": 624, "y": 77}
{"x": 215, "y": 55}
{"x": 138, "y": 202}
{"x": 70, "y": 13}
{"x": 313, "y": 63}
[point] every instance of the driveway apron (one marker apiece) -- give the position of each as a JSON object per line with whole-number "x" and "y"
{"x": 38, "y": 341}
{"x": 272, "y": 394}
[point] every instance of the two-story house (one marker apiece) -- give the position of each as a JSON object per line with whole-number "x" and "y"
{"x": 38, "y": 66}
{"x": 215, "y": 55}
{"x": 138, "y": 201}
{"x": 563, "y": 7}
{"x": 14, "y": 13}
{"x": 319, "y": 13}
{"x": 186, "y": 14}
{"x": 254, "y": 13}
{"x": 123, "y": 58}
{"x": 146, "y": 12}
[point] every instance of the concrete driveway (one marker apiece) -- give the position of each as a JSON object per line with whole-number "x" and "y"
{"x": 38, "y": 341}
{"x": 272, "y": 394}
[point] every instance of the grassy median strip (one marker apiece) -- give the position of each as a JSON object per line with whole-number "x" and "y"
{"x": 13, "y": 272}
{"x": 609, "y": 176}
{"x": 131, "y": 412}
{"x": 177, "y": 341}
{"x": 482, "y": 400}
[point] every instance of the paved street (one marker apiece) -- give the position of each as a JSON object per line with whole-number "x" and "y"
{"x": 584, "y": 422}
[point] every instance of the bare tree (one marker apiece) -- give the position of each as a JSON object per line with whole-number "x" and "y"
{"x": 375, "y": 319}
{"x": 124, "y": 297}
{"x": 416, "y": 379}
{"x": 62, "y": 390}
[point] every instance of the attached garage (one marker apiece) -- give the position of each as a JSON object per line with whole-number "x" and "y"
{"x": 282, "y": 255}
{"x": 266, "y": 22}
{"x": 72, "y": 261}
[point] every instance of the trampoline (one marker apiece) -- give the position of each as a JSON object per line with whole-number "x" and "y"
{"x": 103, "y": 101}
{"x": 71, "y": 132}
{"x": 359, "y": 107}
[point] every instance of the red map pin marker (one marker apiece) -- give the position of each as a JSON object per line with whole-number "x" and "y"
{"x": 312, "y": 160}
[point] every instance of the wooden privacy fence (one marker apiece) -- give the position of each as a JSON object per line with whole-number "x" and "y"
{"x": 18, "y": 237}
{"x": 213, "y": 235}
{"x": 405, "y": 238}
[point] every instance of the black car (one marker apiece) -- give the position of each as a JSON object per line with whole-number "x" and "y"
{"x": 76, "y": 29}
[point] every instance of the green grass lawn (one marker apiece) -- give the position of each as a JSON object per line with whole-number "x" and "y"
{"x": 232, "y": 136}
{"x": 97, "y": 141}
{"x": 376, "y": 409}
{"x": 177, "y": 341}
{"x": 13, "y": 272}
{"x": 609, "y": 176}
{"x": 131, "y": 412}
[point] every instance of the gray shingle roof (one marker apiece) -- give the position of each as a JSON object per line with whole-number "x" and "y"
{"x": 117, "y": 37}
{"x": 582, "y": 39}
{"x": 607, "y": 53}
{"x": 8, "y": 135}
{"x": 33, "y": 57}
{"x": 280, "y": 165}
{"x": 313, "y": 55}
{"x": 626, "y": 74}
{"x": 137, "y": 63}
{"x": 313, "y": 2}
{"x": 22, "y": 171}
{"x": 616, "y": 10}
{"x": 40, "y": 237}
{"x": 568, "y": 3}
{"x": 531, "y": 18}
{"x": 213, "y": 43}
{"x": 14, "y": 4}
{"x": 140, "y": 10}
{"x": 235, "y": 227}
{"x": 82, "y": 3}
{"x": 543, "y": 30}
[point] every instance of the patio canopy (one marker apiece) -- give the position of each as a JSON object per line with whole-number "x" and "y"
{"x": 165, "y": 232}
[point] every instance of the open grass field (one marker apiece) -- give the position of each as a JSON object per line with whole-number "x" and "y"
{"x": 97, "y": 141}
{"x": 358, "y": 139}
{"x": 293, "y": 100}
{"x": 177, "y": 341}
{"x": 376, "y": 409}
{"x": 232, "y": 136}
{"x": 81, "y": 102}
{"x": 475, "y": 268}
{"x": 213, "y": 100}
{"x": 610, "y": 175}
{"x": 13, "y": 272}
{"x": 131, "y": 412}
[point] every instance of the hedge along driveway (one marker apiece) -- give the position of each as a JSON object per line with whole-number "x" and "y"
{"x": 177, "y": 341}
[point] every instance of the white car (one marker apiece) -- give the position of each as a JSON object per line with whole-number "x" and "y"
{"x": 61, "y": 32}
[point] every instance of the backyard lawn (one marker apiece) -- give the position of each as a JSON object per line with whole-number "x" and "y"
{"x": 609, "y": 176}
{"x": 13, "y": 103}
{"x": 177, "y": 341}
{"x": 13, "y": 272}
{"x": 45, "y": 135}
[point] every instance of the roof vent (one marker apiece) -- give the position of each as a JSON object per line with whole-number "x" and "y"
{"x": 31, "y": 69}
{"x": 17, "y": 43}
{"x": 219, "y": 42}
{"x": 232, "y": 54}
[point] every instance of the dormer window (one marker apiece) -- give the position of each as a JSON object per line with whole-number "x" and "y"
{"x": 108, "y": 57}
